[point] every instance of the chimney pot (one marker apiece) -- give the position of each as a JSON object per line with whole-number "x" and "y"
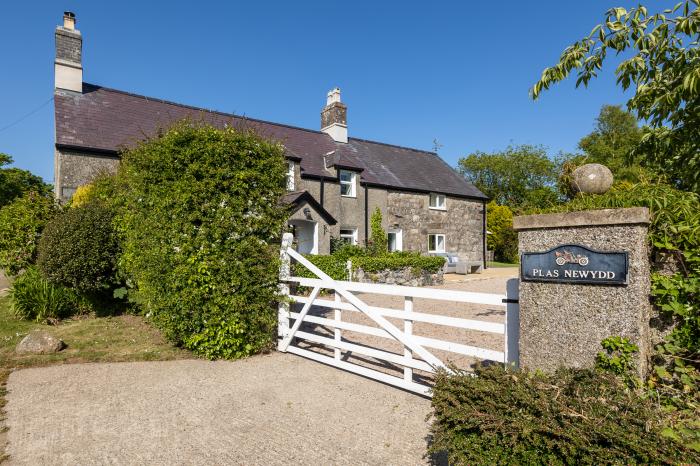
{"x": 69, "y": 20}
{"x": 334, "y": 117}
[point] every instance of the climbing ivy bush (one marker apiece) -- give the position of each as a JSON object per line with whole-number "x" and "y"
{"x": 200, "y": 221}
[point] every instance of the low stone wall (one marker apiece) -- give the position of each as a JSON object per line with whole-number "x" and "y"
{"x": 405, "y": 276}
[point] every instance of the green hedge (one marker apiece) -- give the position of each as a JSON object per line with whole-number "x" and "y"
{"x": 399, "y": 260}
{"x": 571, "y": 417}
{"x": 335, "y": 265}
{"x": 336, "y": 268}
{"x": 200, "y": 222}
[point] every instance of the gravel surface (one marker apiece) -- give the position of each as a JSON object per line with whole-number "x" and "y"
{"x": 272, "y": 409}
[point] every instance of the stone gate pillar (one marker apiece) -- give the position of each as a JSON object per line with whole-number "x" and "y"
{"x": 584, "y": 276}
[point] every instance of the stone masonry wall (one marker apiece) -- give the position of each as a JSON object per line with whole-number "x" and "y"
{"x": 405, "y": 277}
{"x": 73, "y": 169}
{"x": 461, "y": 223}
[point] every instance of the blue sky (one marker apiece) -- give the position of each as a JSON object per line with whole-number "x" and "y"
{"x": 410, "y": 72}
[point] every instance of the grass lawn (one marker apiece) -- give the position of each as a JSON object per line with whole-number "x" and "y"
{"x": 500, "y": 264}
{"x": 104, "y": 339}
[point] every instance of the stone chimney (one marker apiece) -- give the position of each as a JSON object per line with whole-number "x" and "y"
{"x": 69, "y": 55}
{"x": 334, "y": 120}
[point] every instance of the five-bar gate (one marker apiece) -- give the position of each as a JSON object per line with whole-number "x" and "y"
{"x": 416, "y": 354}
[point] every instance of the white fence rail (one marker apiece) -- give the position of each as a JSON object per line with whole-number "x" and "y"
{"x": 416, "y": 355}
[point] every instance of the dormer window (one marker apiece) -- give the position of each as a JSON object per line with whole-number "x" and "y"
{"x": 290, "y": 176}
{"x": 347, "y": 183}
{"x": 437, "y": 201}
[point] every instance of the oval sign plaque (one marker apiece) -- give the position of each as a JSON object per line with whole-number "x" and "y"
{"x": 573, "y": 263}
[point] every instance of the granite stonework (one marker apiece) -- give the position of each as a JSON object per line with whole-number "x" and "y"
{"x": 461, "y": 222}
{"x": 405, "y": 277}
{"x": 73, "y": 169}
{"x": 562, "y": 324}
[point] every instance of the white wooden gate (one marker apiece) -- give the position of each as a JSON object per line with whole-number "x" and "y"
{"x": 415, "y": 355}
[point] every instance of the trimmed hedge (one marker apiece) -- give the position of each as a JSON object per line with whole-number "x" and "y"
{"x": 399, "y": 260}
{"x": 335, "y": 265}
{"x": 570, "y": 417}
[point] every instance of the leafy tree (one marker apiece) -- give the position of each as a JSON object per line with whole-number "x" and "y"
{"x": 518, "y": 176}
{"x": 612, "y": 143}
{"x": 663, "y": 67}
{"x": 14, "y": 182}
{"x": 502, "y": 239}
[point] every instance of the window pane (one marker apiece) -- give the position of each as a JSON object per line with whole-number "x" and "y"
{"x": 431, "y": 243}
{"x": 345, "y": 189}
{"x": 345, "y": 176}
{"x": 441, "y": 243}
{"x": 391, "y": 241}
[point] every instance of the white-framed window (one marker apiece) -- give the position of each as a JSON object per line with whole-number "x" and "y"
{"x": 347, "y": 183}
{"x": 394, "y": 240}
{"x": 290, "y": 176}
{"x": 436, "y": 243}
{"x": 349, "y": 235}
{"x": 437, "y": 201}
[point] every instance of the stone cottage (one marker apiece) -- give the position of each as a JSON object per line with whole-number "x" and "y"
{"x": 335, "y": 182}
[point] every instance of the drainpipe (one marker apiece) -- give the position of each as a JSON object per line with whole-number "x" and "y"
{"x": 321, "y": 200}
{"x": 366, "y": 216}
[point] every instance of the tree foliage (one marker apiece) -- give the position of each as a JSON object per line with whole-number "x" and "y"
{"x": 663, "y": 65}
{"x": 200, "y": 222}
{"x": 15, "y": 182}
{"x": 518, "y": 176}
{"x": 21, "y": 223}
{"x": 501, "y": 238}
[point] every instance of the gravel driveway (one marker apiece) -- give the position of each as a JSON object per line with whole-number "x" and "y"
{"x": 272, "y": 409}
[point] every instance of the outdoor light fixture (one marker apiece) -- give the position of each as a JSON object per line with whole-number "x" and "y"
{"x": 307, "y": 212}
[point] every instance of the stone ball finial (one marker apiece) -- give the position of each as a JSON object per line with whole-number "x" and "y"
{"x": 592, "y": 178}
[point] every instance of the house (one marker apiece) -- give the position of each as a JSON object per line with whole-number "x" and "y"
{"x": 335, "y": 181}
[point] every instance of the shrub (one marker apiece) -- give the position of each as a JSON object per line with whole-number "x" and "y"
{"x": 570, "y": 417}
{"x": 200, "y": 224}
{"x": 35, "y": 298}
{"x": 79, "y": 249}
{"x": 378, "y": 240}
{"x": 21, "y": 224}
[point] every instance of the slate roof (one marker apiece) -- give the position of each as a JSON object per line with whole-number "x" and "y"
{"x": 107, "y": 120}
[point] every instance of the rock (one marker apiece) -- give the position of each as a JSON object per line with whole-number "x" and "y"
{"x": 39, "y": 343}
{"x": 592, "y": 178}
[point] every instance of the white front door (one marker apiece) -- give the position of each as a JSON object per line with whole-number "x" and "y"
{"x": 306, "y": 233}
